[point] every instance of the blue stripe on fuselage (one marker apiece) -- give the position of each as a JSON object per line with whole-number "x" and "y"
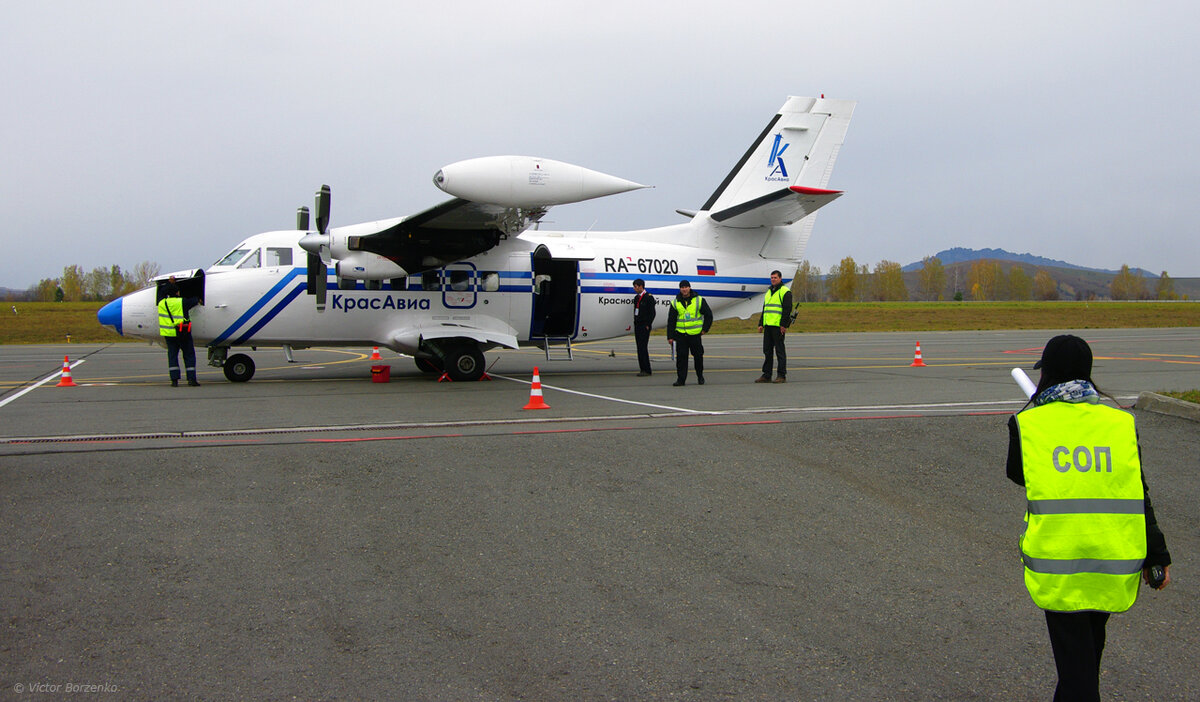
{"x": 271, "y": 315}
{"x": 262, "y": 301}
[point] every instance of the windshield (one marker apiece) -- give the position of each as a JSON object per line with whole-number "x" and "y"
{"x": 233, "y": 257}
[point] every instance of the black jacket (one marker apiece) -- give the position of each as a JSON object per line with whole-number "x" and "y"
{"x": 644, "y": 309}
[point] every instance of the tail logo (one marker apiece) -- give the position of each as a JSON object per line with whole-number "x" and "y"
{"x": 778, "y": 167}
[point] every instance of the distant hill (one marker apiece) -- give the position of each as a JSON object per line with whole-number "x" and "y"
{"x": 959, "y": 254}
{"x": 1073, "y": 282}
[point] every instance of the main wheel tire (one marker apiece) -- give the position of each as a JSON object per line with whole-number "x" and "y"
{"x": 239, "y": 368}
{"x": 465, "y": 363}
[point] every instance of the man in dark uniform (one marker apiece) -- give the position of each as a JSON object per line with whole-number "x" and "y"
{"x": 689, "y": 318}
{"x": 643, "y": 318}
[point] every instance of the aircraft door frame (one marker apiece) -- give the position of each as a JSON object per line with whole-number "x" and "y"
{"x": 555, "y": 296}
{"x": 462, "y": 299}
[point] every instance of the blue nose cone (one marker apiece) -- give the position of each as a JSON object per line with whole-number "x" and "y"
{"x": 110, "y": 316}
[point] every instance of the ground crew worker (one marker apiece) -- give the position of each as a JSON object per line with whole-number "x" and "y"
{"x": 176, "y": 330}
{"x": 1090, "y": 530}
{"x": 773, "y": 324}
{"x": 688, "y": 318}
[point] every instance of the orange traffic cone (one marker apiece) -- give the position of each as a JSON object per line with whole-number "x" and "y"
{"x": 917, "y": 362}
{"x": 535, "y": 393}
{"x": 375, "y": 355}
{"x": 65, "y": 381}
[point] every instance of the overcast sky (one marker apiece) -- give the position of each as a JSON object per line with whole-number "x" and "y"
{"x": 168, "y": 131}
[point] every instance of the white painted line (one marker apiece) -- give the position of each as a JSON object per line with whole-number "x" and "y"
{"x": 606, "y": 397}
{"x": 39, "y": 383}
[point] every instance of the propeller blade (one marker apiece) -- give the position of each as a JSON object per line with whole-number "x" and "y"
{"x": 317, "y": 279}
{"x": 302, "y": 219}
{"x": 322, "y": 208}
{"x": 314, "y": 261}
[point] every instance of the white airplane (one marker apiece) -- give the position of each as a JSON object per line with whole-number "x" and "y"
{"x": 468, "y": 275}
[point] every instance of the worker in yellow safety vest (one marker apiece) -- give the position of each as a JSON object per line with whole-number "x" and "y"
{"x": 773, "y": 325}
{"x": 175, "y": 328}
{"x": 688, "y": 318}
{"x": 1090, "y": 531}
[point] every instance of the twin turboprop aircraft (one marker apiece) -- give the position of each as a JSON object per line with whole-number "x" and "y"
{"x": 475, "y": 273}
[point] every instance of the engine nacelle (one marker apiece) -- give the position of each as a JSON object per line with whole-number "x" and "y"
{"x": 364, "y": 265}
{"x": 527, "y": 181}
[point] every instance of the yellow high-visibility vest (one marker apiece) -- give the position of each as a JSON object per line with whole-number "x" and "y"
{"x": 166, "y": 307}
{"x": 772, "y": 314}
{"x": 1085, "y": 526}
{"x": 688, "y": 319}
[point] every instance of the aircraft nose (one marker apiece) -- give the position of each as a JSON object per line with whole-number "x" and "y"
{"x": 110, "y": 316}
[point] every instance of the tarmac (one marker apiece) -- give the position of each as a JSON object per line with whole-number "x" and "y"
{"x": 311, "y": 534}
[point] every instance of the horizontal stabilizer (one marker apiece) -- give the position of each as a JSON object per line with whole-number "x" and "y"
{"x": 781, "y": 207}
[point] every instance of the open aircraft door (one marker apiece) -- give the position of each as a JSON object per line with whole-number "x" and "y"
{"x": 556, "y": 288}
{"x": 190, "y": 282}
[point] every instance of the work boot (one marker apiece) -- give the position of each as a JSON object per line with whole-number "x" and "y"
{"x": 699, "y": 379}
{"x": 194, "y": 383}
{"x": 763, "y": 379}
{"x": 780, "y": 379}
{"x": 643, "y": 374}
{"x": 174, "y": 383}
{"x": 677, "y": 383}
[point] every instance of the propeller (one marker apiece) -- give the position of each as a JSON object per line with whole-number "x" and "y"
{"x": 317, "y": 245}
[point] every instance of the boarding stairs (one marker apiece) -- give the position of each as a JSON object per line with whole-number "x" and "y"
{"x": 561, "y": 346}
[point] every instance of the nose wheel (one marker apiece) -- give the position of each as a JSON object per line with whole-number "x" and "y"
{"x": 238, "y": 368}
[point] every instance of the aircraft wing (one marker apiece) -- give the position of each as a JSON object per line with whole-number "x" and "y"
{"x": 781, "y": 207}
{"x": 452, "y": 231}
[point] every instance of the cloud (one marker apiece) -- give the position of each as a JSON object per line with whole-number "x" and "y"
{"x": 153, "y": 131}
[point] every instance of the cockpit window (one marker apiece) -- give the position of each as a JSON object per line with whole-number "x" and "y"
{"x": 254, "y": 260}
{"x": 232, "y": 257}
{"x": 278, "y": 256}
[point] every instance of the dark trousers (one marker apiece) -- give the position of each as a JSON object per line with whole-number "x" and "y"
{"x": 641, "y": 334}
{"x": 685, "y": 343}
{"x": 1077, "y": 639}
{"x": 773, "y": 345}
{"x": 175, "y": 344}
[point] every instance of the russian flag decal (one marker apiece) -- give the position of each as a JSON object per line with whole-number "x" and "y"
{"x": 706, "y": 266}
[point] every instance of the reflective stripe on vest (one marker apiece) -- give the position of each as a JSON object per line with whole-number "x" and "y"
{"x": 1085, "y": 527}
{"x": 166, "y": 307}
{"x": 772, "y": 314}
{"x": 688, "y": 319}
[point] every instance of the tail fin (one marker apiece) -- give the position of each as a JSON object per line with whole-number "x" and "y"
{"x": 782, "y": 178}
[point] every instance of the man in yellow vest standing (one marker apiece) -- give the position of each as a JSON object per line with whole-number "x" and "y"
{"x": 688, "y": 318}
{"x": 775, "y": 320}
{"x": 1090, "y": 531}
{"x": 176, "y": 330}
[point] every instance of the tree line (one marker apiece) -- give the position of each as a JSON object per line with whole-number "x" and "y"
{"x": 986, "y": 280}
{"x": 97, "y": 285}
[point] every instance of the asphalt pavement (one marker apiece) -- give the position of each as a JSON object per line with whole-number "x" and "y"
{"x": 310, "y": 534}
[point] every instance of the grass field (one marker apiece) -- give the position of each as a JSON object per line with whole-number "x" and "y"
{"x": 51, "y": 322}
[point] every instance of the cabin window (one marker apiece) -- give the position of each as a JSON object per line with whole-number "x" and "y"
{"x": 278, "y": 256}
{"x": 254, "y": 260}
{"x": 431, "y": 280}
{"x": 490, "y": 281}
{"x": 460, "y": 281}
{"x": 232, "y": 257}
